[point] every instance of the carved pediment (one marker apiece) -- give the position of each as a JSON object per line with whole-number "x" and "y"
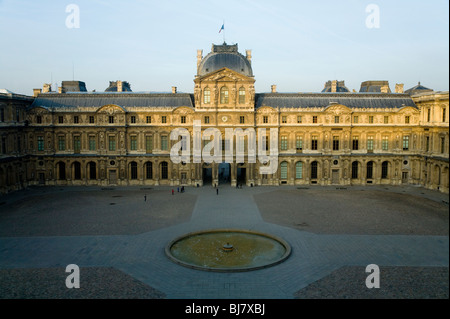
{"x": 337, "y": 109}
{"x": 225, "y": 75}
{"x": 110, "y": 109}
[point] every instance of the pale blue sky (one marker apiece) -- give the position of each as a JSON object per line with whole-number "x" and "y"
{"x": 298, "y": 45}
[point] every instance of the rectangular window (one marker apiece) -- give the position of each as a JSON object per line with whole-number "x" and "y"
{"x": 386, "y": 120}
{"x": 284, "y": 119}
{"x": 370, "y": 143}
{"x": 91, "y": 119}
{"x": 284, "y": 143}
{"x": 76, "y": 119}
{"x": 3, "y": 144}
{"x": 149, "y": 119}
{"x": 299, "y": 143}
{"x": 133, "y": 143}
{"x": 92, "y": 144}
{"x": 442, "y": 145}
{"x": 112, "y": 143}
{"x": 133, "y": 119}
{"x": 183, "y": 120}
{"x": 265, "y": 119}
{"x": 164, "y": 143}
{"x": 299, "y": 119}
{"x": 355, "y": 119}
{"x": 242, "y": 119}
{"x": 39, "y": 119}
{"x": 428, "y": 115}
{"x": 405, "y": 143}
{"x": 60, "y": 119}
{"x": 314, "y": 144}
{"x": 370, "y": 119}
{"x": 315, "y": 119}
{"x": 2, "y": 115}
{"x": 336, "y": 120}
{"x": 427, "y": 144}
{"x": 407, "y": 119}
{"x": 111, "y": 119}
{"x": 40, "y": 143}
{"x": 206, "y": 119}
{"x": 355, "y": 145}
{"x": 265, "y": 143}
{"x": 164, "y": 119}
{"x": 76, "y": 144}
{"x": 149, "y": 144}
{"x": 444, "y": 114}
{"x": 241, "y": 96}
{"x": 207, "y": 96}
{"x": 61, "y": 143}
{"x": 385, "y": 143}
{"x": 335, "y": 143}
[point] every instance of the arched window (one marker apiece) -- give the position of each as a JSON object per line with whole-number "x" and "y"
{"x": 207, "y": 96}
{"x": 370, "y": 170}
{"x": 284, "y": 170}
{"x": 384, "y": 170}
{"x": 92, "y": 170}
{"x": 241, "y": 96}
{"x": 164, "y": 170}
{"x": 224, "y": 95}
{"x": 133, "y": 170}
{"x": 314, "y": 170}
{"x": 76, "y": 170}
{"x": 148, "y": 170}
{"x": 355, "y": 167}
{"x": 299, "y": 170}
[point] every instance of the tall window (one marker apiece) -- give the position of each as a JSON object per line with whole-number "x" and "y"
{"x": 355, "y": 145}
{"x": 314, "y": 144}
{"x": 111, "y": 119}
{"x": 370, "y": 170}
{"x": 91, "y": 119}
{"x": 299, "y": 143}
{"x": 241, "y": 96}
{"x": 164, "y": 119}
{"x": 355, "y": 119}
{"x": 148, "y": 170}
{"x": 76, "y": 119}
{"x": 133, "y": 143}
{"x": 92, "y": 170}
{"x": 60, "y": 119}
{"x": 335, "y": 143}
{"x": 283, "y": 171}
{"x": 406, "y": 143}
{"x": 2, "y": 115}
{"x": 92, "y": 146}
{"x": 384, "y": 170}
{"x": 77, "y": 171}
{"x": 148, "y": 119}
{"x": 370, "y": 143}
{"x": 355, "y": 166}
{"x": 148, "y": 144}
{"x": 265, "y": 119}
{"x": 442, "y": 145}
{"x": 314, "y": 170}
{"x": 428, "y": 115}
{"x": 62, "y": 170}
{"x": 284, "y": 119}
{"x": 299, "y": 170}
{"x": 224, "y": 95}
{"x": 265, "y": 143}
{"x": 133, "y": 119}
{"x": 315, "y": 119}
{"x": 40, "y": 142}
{"x": 371, "y": 119}
{"x": 39, "y": 119}
{"x": 61, "y": 143}
{"x": 207, "y": 96}
{"x": 336, "y": 120}
{"x": 4, "y": 145}
{"x": 76, "y": 144}
{"x": 385, "y": 143}
{"x": 407, "y": 119}
{"x": 164, "y": 170}
{"x": 242, "y": 119}
{"x": 183, "y": 119}
{"x": 386, "y": 120}
{"x": 284, "y": 143}
{"x": 112, "y": 143}
{"x": 164, "y": 143}
{"x": 444, "y": 114}
{"x": 427, "y": 144}
{"x": 206, "y": 119}
{"x": 299, "y": 119}
{"x": 133, "y": 170}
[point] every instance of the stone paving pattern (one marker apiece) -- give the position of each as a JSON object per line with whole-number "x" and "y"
{"x": 114, "y": 231}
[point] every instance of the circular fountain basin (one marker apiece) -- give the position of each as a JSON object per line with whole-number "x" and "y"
{"x": 228, "y": 250}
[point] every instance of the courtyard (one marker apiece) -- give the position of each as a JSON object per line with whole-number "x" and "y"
{"x": 117, "y": 236}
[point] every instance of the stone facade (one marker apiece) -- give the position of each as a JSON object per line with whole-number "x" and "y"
{"x": 323, "y": 138}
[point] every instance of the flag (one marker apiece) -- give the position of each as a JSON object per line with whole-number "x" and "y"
{"x": 222, "y": 28}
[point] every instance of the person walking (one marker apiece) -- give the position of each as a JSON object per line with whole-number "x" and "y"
{"x": 173, "y": 192}
{"x": 145, "y": 198}
{"x": 217, "y": 191}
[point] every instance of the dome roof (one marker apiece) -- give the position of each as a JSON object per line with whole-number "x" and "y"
{"x": 225, "y": 56}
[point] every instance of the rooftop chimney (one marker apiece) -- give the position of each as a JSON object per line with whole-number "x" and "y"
{"x": 174, "y": 89}
{"x": 334, "y": 85}
{"x": 47, "y": 88}
{"x": 385, "y": 89}
{"x": 274, "y": 88}
{"x": 36, "y": 92}
{"x": 399, "y": 88}
{"x": 249, "y": 55}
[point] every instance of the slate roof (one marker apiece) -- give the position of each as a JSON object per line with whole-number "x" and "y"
{"x": 419, "y": 88}
{"x": 351, "y": 100}
{"x": 124, "y": 100}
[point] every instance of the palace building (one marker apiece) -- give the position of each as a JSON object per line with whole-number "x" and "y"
{"x": 120, "y": 137}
